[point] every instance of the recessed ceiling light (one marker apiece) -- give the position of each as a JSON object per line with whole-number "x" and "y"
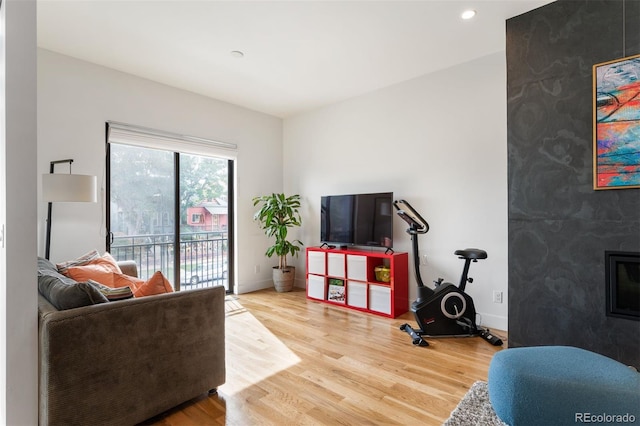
{"x": 237, "y": 54}
{"x": 468, "y": 14}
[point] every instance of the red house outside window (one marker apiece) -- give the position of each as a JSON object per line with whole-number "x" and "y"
{"x": 208, "y": 216}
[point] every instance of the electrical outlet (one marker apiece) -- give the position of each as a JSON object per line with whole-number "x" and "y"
{"x": 423, "y": 259}
{"x": 256, "y": 269}
{"x": 497, "y": 296}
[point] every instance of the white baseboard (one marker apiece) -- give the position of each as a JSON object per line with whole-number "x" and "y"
{"x": 248, "y": 287}
{"x": 493, "y": 321}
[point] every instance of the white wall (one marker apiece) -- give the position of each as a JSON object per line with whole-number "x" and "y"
{"x": 438, "y": 141}
{"x": 18, "y": 289}
{"x": 76, "y": 98}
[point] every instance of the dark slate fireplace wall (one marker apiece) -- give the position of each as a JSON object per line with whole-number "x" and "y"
{"x": 559, "y": 227}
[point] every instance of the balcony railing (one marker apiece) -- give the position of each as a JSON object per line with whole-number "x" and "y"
{"x": 203, "y": 257}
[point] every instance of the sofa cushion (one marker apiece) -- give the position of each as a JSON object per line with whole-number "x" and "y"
{"x": 45, "y": 264}
{"x": 65, "y": 293}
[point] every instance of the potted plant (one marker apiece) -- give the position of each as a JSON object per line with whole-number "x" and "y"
{"x": 276, "y": 215}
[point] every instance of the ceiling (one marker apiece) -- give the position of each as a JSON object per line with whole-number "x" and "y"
{"x": 298, "y": 55}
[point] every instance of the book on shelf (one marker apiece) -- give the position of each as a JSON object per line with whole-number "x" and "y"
{"x": 336, "y": 290}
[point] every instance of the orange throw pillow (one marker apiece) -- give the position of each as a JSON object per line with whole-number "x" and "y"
{"x": 91, "y": 272}
{"x": 124, "y": 280}
{"x": 100, "y": 269}
{"x": 157, "y": 284}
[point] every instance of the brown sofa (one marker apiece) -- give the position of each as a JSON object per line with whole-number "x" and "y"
{"x": 123, "y": 362}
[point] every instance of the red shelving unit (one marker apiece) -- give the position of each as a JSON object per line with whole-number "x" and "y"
{"x": 347, "y": 277}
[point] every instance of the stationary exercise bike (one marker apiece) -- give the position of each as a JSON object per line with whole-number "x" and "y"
{"x": 446, "y": 311}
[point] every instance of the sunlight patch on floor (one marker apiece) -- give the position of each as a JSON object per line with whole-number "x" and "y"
{"x": 232, "y": 306}
{"x": 247, "y": 339}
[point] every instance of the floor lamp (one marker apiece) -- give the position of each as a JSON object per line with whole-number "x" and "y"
{"x": 66, "y": 188}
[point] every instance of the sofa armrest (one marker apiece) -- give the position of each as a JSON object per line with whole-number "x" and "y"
{"x": 129, "y": 267}
{"x": 126, "y": 361}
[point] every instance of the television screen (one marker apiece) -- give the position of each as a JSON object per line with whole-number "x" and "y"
{"x": 357, "y": 219}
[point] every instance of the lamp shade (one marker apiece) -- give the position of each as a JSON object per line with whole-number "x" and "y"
{"x": 69, "y": 188}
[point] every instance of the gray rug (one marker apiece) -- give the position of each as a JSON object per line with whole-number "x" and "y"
{"x": 475, "y": 409}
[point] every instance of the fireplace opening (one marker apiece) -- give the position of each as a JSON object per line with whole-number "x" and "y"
{"x": 622, "y": 271}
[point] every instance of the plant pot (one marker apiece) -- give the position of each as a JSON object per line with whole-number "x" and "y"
{"x": 283, "y": 278}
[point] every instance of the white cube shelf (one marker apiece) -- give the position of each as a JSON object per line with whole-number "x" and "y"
{"x": 356, "y": 267}
{"x": 316, "y": 287}
{"x": 316, "y": 263}
{"x": 335, "y": 265}
{"x": 380, "y": 299}
{"x": 357, "y": 294}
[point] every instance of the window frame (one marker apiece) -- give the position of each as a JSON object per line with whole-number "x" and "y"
{"x": 125, "y": 134}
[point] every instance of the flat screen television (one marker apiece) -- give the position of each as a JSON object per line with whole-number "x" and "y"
{"x": 357, "y": 219}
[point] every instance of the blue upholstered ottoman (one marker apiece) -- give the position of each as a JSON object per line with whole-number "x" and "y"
{"x": 562, "y": 385}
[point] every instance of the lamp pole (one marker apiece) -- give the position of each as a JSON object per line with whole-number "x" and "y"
{"x": 48, "y": 239}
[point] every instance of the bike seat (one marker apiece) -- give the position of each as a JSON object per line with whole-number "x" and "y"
{"x": 471, "y": 253}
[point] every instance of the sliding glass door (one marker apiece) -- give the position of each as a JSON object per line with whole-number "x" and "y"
{"x": 204, "y": 221}
{"x": 170, "y": 212}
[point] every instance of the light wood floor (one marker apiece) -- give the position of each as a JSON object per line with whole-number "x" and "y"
{"x": 293, "y": 361}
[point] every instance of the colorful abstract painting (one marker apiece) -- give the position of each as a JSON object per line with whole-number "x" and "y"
{"x": 617, "y": 124}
